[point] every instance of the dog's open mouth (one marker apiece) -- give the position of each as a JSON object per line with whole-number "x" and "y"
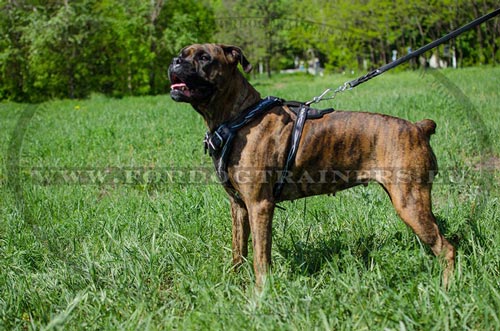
{"x": 180, "y": 87}
{"x": 190, "y": 89}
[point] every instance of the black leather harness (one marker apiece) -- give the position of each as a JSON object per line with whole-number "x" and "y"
{"x": 218, "y": 143}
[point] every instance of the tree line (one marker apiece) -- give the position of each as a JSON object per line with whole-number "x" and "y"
{"x": 69, "y": 49}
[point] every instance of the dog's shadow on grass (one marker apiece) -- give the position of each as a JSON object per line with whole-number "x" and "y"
{"x": 309, "y": 257}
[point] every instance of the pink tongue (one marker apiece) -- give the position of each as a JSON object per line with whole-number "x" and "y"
{"x": 177, "y": 86}
{"x": 182, "y": 87}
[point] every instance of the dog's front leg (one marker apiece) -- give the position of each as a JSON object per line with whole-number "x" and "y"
{"x": 261, "y": 216}
{"x": 241, "y": 231}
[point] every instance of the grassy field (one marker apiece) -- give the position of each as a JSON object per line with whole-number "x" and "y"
{"x": 106, "y": 222}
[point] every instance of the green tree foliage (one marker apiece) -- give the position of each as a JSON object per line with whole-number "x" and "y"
{"x": 13, "y": 53}
{"x": 357, "y": 30}
{"x": 257, "y": 26}
{"x": 57, "y": 49}
{"x": 61, "y": 57}
{"x": 71, "y": 48}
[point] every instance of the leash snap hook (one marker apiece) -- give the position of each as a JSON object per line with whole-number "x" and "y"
{"x": 318, "y": 98}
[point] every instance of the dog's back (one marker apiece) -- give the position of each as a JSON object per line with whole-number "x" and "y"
{"x": 360, "y": 140}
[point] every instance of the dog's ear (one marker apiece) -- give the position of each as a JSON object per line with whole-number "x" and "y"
{"x": 234, "y": 55}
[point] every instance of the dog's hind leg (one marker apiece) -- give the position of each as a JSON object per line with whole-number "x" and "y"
{"x": 241, "y": 231}
{"x": 412, "y": 202}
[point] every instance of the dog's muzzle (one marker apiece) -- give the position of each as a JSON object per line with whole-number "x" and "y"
{"x": 185, "y": 83}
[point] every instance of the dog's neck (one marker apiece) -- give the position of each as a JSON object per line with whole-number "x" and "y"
{"x": 229, "y": 102}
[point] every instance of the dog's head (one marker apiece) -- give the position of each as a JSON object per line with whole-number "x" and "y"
{"x": 202, "y": 70}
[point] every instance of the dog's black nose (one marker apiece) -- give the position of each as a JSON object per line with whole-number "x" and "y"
{"x": 177, "y": 60}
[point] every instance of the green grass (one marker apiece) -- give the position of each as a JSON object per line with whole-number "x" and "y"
{"x": 151, "y": 254}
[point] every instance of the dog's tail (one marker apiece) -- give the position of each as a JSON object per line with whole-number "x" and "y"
{"x": 428, "y": 127}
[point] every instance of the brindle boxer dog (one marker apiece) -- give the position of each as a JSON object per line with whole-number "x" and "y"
{"x": 361, "y": 146}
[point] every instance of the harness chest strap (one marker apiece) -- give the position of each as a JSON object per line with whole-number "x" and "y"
{"x": 218, "y": 143}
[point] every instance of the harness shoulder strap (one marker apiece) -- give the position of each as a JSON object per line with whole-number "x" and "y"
{"x": 298, "y": 127}
{"x": 303, "y": 112}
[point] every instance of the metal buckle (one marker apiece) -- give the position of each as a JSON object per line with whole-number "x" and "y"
{"x": 205, "y": 142}
{"x": 209, "y": 143}
{"x": 220, "y": 139}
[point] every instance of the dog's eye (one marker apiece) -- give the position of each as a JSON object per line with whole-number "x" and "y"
{"x": 205, "y": 57}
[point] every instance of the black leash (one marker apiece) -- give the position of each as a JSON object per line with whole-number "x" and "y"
{"x": 353, "y": 83}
